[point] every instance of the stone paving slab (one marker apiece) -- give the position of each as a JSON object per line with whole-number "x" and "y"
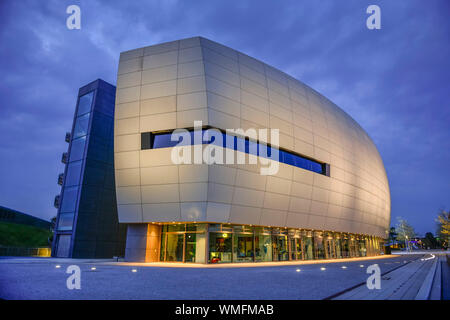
{"x": 436, "y": 290}
{"x": 28, "y": 280}
{"x": 400, "y": 284}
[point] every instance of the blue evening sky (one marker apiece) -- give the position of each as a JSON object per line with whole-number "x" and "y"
{"x": 395, "y": 81}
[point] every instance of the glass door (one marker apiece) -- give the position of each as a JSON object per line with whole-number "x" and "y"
{"x": 220, "y": 247}
{"x": 308, "y": 249}
{"x": 329, "y": 246}
{"x": 352, "y": 245}
{"x": 296, "y": 249}
{"x": 337, "y": 246}
{"x": 345, "y": 247}
{"x": 174, "y": 247}
{"x": 319, "y": 245}
{"x": 263, "y": 247}
{"x": 243, "y": 247}
{"x": 293, "y": 248}
{"x": 362, "y": 247}
{"x": 190, "y": 250}
{"x": 299, "y": 248}
{"x": 280, "y": 250}
{"x": 195, "y": 246}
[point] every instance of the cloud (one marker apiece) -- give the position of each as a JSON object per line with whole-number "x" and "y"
{"x": 393, "y": 81}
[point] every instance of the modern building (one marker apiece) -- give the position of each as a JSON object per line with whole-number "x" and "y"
{"x": 329, "y": 199}
{"x": 87, "y": 222}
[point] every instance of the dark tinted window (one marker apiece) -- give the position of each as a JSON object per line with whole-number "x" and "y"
{"x": 81, "y": 126}
{"x": 73, "y": 173}
{"x": 85, "y": 103}
{"x": 77, "y": 149}
{"x": 163, "y": 140}
{"x": 146, "y": 140}
{"x": 65, "y": 221}
{"x": 69, "y": 199}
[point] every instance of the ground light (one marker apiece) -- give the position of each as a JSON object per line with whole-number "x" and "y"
{"x": 323, "y": 268}
{"x": 361, "y": 265}
{"x": 133, "y": 270}
{"x": 57, "y": 266}
{"x": 93, "y": 268}
{"x": 298, "y": 270}
{"x": 344, "y": 267}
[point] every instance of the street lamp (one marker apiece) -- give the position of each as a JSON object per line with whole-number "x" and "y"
{"x": 406, "y": 243}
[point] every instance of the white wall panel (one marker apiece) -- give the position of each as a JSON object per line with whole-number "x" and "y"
{"x": 171, "y": 85}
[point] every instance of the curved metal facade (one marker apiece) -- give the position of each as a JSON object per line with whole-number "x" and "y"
{"x": 168, "y": 86}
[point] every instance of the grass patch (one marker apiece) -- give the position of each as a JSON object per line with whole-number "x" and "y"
{"x": 20, "y": 235}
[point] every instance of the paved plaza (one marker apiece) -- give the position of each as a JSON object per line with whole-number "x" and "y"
{"x": 30, "y": 278}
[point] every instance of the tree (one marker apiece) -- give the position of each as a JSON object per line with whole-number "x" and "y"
{"x": 392, "y": 240}
{"x": 405, "y": 231}
{"x": 52, "y": 228}
{"x": 53, "y": 223}
{"x": 430, "y": 241}
{"x": 392, "y": 235}
{"x": 443, "y": 221}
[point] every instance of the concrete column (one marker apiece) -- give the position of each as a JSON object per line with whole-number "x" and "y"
{"x": 367, "y": 244}
{"x": 143, "y": 242}
{"x": 136, "y": 245}
{"x": 153, "y": 243}
{"x": 372, "y": 246}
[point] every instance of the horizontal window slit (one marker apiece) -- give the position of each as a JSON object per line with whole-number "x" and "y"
{"x": 245, "y": 144}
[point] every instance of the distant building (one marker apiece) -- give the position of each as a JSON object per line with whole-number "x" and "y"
{"x": 87, "y": 222}
{"x": 14, "y": 216}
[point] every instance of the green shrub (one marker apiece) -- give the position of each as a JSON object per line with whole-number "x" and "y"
{"x": 19, "y": 235}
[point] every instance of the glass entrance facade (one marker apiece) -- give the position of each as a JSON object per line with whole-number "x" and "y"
{"x": 263, "y": 244}
{"x": 226, "y": 243}
{"x": 280, "y": 250}
{"x": 183, "y": 243}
